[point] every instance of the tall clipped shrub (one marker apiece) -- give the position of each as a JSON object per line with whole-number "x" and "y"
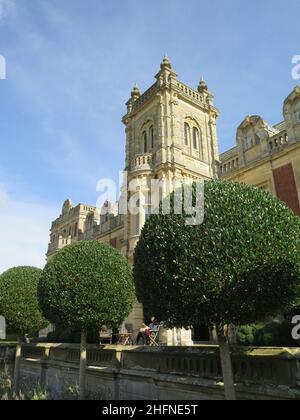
{"x": 19, "y": 305}
{"x": 86, "y": 286}
{"x": 240, "y": 266}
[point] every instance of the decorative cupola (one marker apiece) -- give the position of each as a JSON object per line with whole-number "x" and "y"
{"x": 166, "y": 73}
{"x": 135, "y": 94}
{"x": 202, "y": 88}
{"x": 166, "y": 65}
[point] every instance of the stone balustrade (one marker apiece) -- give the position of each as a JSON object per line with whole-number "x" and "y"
{"x": 143, "y": 161}
{"x": 145, "y": 97}
{"x": 164, "y": 372}
{"x": 186, "y": 90}
{"x": 229, "y": 166}
{"x": 230, "y": 160}
{"x": 277, "y": 142}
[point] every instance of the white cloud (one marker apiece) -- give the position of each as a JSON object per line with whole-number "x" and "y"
{"x": 24, "y": 232}
{"x": 6, "y": 8}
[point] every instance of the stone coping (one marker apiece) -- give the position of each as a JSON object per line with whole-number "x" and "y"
{"x": 279, "y": 352}
{"x": 7, "y": 343}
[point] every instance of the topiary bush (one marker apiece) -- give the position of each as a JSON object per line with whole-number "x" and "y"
{"x": 63, "y": 335}
{"x": 19, "y": 306}
{"x": 18, "y": 300}
{"x": 274, "y": 334}
{"x": 85, "y": 286}
{"x": 246, "y": 335}
{"x": 241, "y": 265}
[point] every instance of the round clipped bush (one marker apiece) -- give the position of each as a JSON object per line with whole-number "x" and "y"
{"x": 18, "y": 300}
{"x": 19, "y": 305}
{"x": 240, "y": 266}
{"x": 87, "y": 285}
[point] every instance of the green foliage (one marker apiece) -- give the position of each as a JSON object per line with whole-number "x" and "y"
{"x": 87, "y": 285}
{"x": 18, "y": 300}
{"x": 10, "y": 337}
{"x": 275, "y": 334}
{"x": 36, "y": 392}
{"x": 7, "y": 393}
{"x": 63, "y": 335}
{"x": 239, "y": 266}
{"x": 246, "y": 335}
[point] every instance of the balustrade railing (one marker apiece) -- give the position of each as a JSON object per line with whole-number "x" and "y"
{"x": 143, "y": 161}
{"x": 269, "y": 366}
{"x": 277, "y": 142}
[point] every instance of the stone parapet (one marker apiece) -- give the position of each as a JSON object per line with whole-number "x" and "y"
{"x": 164, "y": 372}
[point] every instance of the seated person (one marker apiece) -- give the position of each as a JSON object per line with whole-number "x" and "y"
{"x": 154, "y": 326}
{"x": 143, "y": 335}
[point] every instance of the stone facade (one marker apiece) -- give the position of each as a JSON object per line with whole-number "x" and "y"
{"x": 170, "y": 135}
{"x": 268, "y": 157}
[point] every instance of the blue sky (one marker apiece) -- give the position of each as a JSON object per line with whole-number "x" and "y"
{"x": 71, "y": 65}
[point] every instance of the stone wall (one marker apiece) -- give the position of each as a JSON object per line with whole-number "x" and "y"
{"x": 164, "y": 373}
{"x": 7, "y": 355}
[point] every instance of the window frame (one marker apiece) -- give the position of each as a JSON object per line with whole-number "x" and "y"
{"x": 187, "y": 134}
{"x": 196, "y": 139}
{"x": 145, "y": 142}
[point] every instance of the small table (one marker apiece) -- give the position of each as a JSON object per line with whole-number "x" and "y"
{"x": 124, "y": 339}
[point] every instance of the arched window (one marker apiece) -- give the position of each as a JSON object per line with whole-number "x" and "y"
{"x": 151, "y": 135}
{"x": 196, "y": 138}
{"x": 145, "y": 142}
{"x": 187, "y": 134}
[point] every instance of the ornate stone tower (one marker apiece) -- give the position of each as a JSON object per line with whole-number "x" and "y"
{"x": 170, "y": 134}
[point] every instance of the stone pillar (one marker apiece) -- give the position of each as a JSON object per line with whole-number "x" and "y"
{"x": 213, "y": 336}
{"x": 2, "y": 328}
{"x": 176, "y": 337}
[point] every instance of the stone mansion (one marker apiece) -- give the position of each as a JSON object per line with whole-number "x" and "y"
{"x": 171, "y": 133}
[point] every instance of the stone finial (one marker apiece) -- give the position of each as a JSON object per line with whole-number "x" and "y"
{"x": 202, "y": 86}
{"x": 136, "y": 93}
{"x": 166, "y": 64}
